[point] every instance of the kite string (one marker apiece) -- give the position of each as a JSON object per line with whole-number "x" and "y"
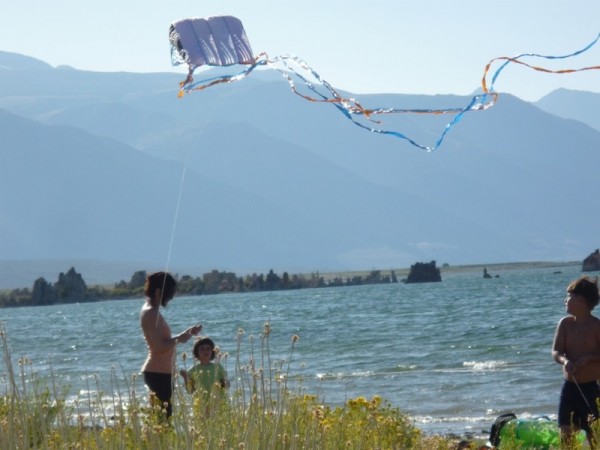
{"x": 581, "y": 392}
{"x": 175, "y": 219}
{"x": 170, "y": 249}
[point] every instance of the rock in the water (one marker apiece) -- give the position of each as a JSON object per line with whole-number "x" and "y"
{"x": 423, "y": 273}
{"x": 592, "y": 262}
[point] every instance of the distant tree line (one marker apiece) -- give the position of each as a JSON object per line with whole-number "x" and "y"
{"x": 70, "y": 286}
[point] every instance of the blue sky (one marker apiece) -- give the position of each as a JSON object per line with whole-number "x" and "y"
{"x": 364, "y": 46}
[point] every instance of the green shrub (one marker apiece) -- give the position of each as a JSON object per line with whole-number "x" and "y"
{"x": 264, "y": 410}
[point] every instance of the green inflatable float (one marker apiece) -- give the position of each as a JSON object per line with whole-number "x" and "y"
{"x": 532, "y": 433}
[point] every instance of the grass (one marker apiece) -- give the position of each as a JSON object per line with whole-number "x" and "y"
{"x": 266, "y": 409}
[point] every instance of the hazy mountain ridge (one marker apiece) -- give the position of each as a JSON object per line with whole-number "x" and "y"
{"x": 577, "y": 105}
{"x": 273, "y": 181}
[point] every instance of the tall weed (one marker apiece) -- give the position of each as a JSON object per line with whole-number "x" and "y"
{"x": 266, "y": 409}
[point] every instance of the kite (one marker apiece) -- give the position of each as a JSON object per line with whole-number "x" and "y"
{"x": 222, "y": 41}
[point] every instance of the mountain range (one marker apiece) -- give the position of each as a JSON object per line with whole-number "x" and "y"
{"x": 115, "y": 168}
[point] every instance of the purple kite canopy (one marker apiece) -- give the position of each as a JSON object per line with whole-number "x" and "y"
{"x": 215, "y": 41}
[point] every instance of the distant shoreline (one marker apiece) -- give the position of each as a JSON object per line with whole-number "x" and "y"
{"x": 104, "y": 274}
{"x": 445, "y": 269}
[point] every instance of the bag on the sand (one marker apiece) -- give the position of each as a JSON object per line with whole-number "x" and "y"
{"x": 497, "y": 426}
{"x": 533, "y": 432}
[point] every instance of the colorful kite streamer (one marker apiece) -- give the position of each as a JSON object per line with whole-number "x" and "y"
{"x": 222, "y": 41}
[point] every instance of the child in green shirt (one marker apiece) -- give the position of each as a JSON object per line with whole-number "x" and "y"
{"x": 206, "y": 377}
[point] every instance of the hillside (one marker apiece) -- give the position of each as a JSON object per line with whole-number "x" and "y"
{"x": 577, "y": 105}
{"x": 268, "y": 180}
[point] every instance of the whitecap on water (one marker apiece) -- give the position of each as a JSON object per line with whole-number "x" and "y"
{"x": 485, "y": 365}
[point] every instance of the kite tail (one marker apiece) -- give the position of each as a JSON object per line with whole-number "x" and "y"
{"x": 516, "y": 60}
{"x": 188, "y": 85}
{"x": 354, "y": 111}
{"x": 319, "y": 90}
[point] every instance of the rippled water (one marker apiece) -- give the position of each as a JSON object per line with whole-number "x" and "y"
{"x": 453, "y": 355}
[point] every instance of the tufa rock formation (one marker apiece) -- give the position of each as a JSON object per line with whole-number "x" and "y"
{"x": 42, "y": 293}
{"x": 592, "y": 262}
{"x": 423, "y": 273}
{"x": 70, "y": 287}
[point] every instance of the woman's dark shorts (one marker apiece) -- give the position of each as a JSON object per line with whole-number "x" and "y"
{"x": 161, "y": 385}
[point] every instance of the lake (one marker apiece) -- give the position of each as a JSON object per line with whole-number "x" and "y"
{"x": 453, "y": 355}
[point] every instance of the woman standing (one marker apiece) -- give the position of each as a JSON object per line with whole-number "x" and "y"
{"x": 159, "y": 367}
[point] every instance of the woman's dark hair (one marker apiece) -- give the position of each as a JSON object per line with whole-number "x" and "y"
{"x": 163, "y": 281}
{"x": 204, "y": 341}
{"x": 587, "y": 288}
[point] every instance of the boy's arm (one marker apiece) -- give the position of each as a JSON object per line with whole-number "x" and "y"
{"x": 559, "y": 351}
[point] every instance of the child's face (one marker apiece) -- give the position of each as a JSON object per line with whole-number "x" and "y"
{"x": 574, "y": 303}
{"x": 204, "y": 352}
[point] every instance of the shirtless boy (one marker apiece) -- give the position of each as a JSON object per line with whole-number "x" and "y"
{"x": 577, "y": 348}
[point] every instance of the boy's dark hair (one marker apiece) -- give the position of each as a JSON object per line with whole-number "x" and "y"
{"x": 204, "y": 341}
{"x": 587, "y": 288}
{"x": 163, "y": 281}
